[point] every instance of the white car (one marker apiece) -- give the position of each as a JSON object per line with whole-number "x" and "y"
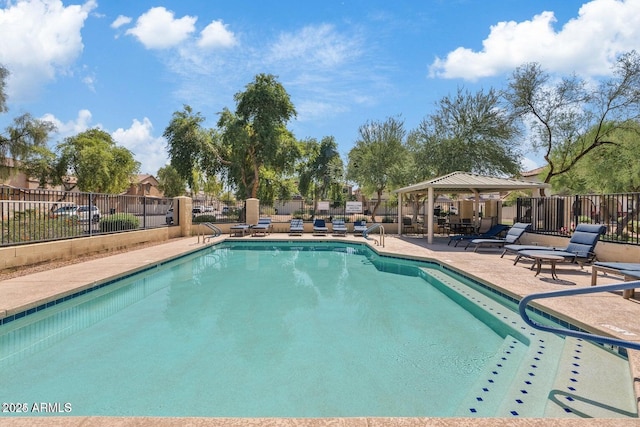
{"x": 168, "y": 217}
{"x": 88, "y": 213}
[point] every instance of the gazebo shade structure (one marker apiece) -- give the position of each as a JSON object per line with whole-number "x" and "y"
{"x": 462, "y": 182}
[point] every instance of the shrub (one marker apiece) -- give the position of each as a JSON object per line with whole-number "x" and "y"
{"x": 119, "y": 222}
{"x": 204, "y": 218}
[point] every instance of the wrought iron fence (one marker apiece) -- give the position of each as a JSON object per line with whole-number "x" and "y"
{"x": 35, "y": 215}
{"x": 285, "y": 210}
{"x": 559, "y": 215}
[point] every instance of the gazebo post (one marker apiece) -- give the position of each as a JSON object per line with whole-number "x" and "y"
{"x": 430, "y": 215}
{"x": 400, "y": 214}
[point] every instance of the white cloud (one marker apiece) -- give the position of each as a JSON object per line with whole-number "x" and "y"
{"x": 216, "y": 35}
{"x": 120, "y": 21}
{"x": 158, "y": 29}
{"x": 587, "y": 44}
{"x": 40, "y": 39}
{"x": 150, "y": 151}
{"x": 319, "y": 45}
{"x": 81, "y": 123}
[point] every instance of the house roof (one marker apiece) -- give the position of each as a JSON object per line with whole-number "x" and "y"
{"x": 464, "y": 182}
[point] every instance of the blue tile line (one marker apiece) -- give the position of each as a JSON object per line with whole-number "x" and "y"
{"x": 98, "y": 286}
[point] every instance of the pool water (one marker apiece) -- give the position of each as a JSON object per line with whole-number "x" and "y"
{"x": 261, "y": 330}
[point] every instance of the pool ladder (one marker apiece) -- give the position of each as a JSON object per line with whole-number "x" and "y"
{"x": 522, "y": 308}
{"x": 215, "y": 232}
{"x": 380, "y": 229}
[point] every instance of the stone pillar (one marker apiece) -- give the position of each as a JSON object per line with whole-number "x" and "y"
{"x": 182, "y": 212}
{"x": 466, "y": 209}
{"x": 252, "y": 211}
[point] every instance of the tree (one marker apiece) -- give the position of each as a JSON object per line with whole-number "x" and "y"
{"x": 322, "y": 172}
{"x": 188, "y": 144}
{"x": 467, "y": 132}
{"x": 376, "y": 160}
{"x": 571, "y": 118}
{"x": 24, "y": 142}
{"x": 170, "y": 182}
{"x": 255, "y": 137}
{"x": 250, "y": 144}
{"x": 98, "y": 164}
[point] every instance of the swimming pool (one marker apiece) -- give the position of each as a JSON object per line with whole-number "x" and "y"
{"x": 287, "y": 330}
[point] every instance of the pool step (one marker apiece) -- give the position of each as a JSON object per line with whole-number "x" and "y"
{"x": 591, "y": 382}
{"x": 487, "y": 393}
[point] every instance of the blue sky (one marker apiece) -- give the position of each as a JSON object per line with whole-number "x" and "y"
{"x": 126, "y": 66}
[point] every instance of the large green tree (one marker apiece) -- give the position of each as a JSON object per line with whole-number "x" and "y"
{"x": 98, "y": 164}
{"x": 571, "y": 117}
{"x": 250, "y": 144}
{"x": 321, "y": 173}
{"x": 594, "y": 172}
{"x": 375, "y": 163}
{"x": 189, "y": 145}
{"x": 24, "y": 142}
{"x": 170, "y": 182}
{"x": 467, "y": 132}
{"x": 255, "y": 137}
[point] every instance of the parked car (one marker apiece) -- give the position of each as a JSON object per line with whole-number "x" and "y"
{"x": 168, "y": 217}
{"x": 197, "y": 209}
{"x": 67, "y": 211}
{"x": 86, "y": 213}
{"x": 208, "y": 208}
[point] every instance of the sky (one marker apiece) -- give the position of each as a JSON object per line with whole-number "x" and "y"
{"x": 126, "y": 66}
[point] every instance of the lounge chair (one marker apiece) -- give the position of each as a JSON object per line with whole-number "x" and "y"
{"x": 320, "y": 227}
{"x": 359, "y": 226}
{"x": 262, "y": 227}
{"x": 492, "y": 232}
{"x": 338, "y": 227}
{"x": 628, "y": 270}
{"x": 512, "y": 237}
{"x": 296, "y": 226}
{"x": 580, "y": 248}
{"x": 236, "y": 229}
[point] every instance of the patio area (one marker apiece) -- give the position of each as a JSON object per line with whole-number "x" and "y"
{"x": 605, "y": 313}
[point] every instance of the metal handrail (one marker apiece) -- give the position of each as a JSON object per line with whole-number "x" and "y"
{"x": 216, "y": 231}
{"x": 522, "y": 307}
{"x": 366, "y": 232}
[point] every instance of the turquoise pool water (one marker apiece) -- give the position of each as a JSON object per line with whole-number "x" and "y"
{"x": 263, "y": 330}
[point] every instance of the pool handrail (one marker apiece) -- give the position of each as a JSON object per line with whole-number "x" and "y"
{"x": 522, "y": 308}
{"x": 375, "y": 226}
{"x": 215, "y": 231}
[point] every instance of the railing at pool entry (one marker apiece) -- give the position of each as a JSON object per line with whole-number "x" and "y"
{"x": 375, "y": 227}
{"x": 522, "y": 308}
{"x": 215, "y": 232}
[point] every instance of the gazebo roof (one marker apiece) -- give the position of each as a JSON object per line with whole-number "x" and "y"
{"x": 464, "y": 182}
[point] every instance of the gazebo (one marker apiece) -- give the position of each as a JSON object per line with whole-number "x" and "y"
{"x": 461, "y": 182}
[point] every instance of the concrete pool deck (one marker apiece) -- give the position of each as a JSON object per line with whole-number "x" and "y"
{"x": 604, "y": 313}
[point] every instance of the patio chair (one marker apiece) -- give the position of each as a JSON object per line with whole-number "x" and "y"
{"x": 628, "y": 270}
{"x": 338, "y": 227}
{"x": 492, "y": 232}
{"x": 580, "y": 248}
{"x": 263, "y": 227}
{"x": 512, "y": 237}
{"x": 296, "y": 227}
{"x": 407, "y": 225}
{"x": 320, "y": 227}
{"x": 237, "y": 229}
{"x": 359, "y": 226}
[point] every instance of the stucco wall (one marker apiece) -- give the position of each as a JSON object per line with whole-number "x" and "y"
{"x": 37, "y": 253}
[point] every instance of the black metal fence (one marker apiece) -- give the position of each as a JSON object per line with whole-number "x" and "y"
{"x": 35, "y": 215}
{"x": 285, "y": 210}
{"x": 559, "y": 215}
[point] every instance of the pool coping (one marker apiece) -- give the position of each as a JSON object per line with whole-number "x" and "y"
{"x": 154, "y": 257}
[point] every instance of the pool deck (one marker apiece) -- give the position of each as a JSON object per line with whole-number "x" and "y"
{"x": 604, "y": 313}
